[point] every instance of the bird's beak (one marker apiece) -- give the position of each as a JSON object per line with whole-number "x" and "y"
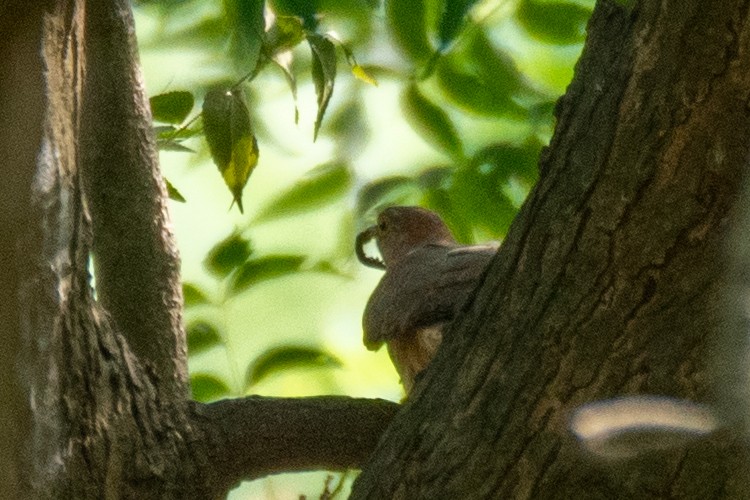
{"x": 359, "y": 248}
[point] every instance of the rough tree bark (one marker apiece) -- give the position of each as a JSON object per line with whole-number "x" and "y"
{"x": 21, "y": 99}
{"x": 609, "y": 283}
{"x": 96, "y": 388}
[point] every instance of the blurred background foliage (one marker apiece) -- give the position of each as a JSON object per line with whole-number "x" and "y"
{"x": 310, "y": 116}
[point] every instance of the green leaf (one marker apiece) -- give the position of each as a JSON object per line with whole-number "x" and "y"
{"x": 208, "y": 32}
{"x": 162, "y": 131}
{"x": 559, "y": 23}
{"x": 479, "y": 191}
{"x": 397, "y": 190}
{"x": 321, "y": 185}
{"x": 255, "y": 271}
{"x": 493, "y": 67}
{"x": 408, "y": 26}
{"x": 226, "y": 124}
{"x": 323, "y": 73}
{"x": 227, "y": 255}
{"x": 437, "y": 177}
{"x": 285, "y": 66}
{"x": 327, "y": 267}
{"x": 193, "y": 295}
{"x": 436, "y": 183}
{"x": 173, "y": 193}
{"x": 172, "y": 107}
{"x": 361, "y": 74}
{"x": 206, "y": 387}
{"x": 471, "y": 92}
{"x": 504, "y": 160}
{"x": 303, "y": 9}
{"x": 171, "y": 134}
{"x": 286, "y": 357}
{"x": 170, "y": 145}
{"x": 452, "y": 20}
{"x": 349, "y": 129}
{"x": 169, "y": 137}
{"x": 358, "y": 71}
{"x": 542, "y": 113}
{"x": 247, "y": 20}
{"x": 431, "y": 122}
{"x": 285, "y": 33}
{"x": 202, "y": 336}
{"x": 217, "y": 126}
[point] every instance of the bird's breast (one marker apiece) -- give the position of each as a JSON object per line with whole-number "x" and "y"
{"x": 412, "y": 353}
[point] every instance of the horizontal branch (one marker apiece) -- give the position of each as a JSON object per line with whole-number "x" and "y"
{"x": 256, "y": 436}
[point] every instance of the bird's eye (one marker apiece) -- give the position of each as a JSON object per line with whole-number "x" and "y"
{"x": 382, "y": 225}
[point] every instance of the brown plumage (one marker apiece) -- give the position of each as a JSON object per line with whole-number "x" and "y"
{"x": 428, "y": 278}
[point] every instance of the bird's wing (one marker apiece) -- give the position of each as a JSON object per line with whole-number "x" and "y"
{"x": 427, "y": 286}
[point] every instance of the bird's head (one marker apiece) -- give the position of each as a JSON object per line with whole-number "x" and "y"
{"x": 398, "y": 231}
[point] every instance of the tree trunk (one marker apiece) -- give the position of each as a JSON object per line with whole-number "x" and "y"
{"x": 20, "y": 129}
{"x": 95, "y": 390}
{"x": 609, "y": 283}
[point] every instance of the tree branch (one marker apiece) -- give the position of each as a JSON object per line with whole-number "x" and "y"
{"x": 135, "y": 257}
{"x": 252, "y": 437}
{"x": 22, "y": 100}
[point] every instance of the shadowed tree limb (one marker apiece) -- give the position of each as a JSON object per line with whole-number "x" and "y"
{"x": 252, "y": 437}
{"x": 22, "y": 101}
{"x": 135, "y": 256}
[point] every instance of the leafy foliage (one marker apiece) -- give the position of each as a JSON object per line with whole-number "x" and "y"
{"x": 255, "y": 271}
{"x": 323, "y": 73}
{"x": 247, "y": 25}
{"x": 234, "y": 149}
{"x": 172, "y": 107}
{"x": 194, "y": 295}
{"x": 481, "y": 80}
{"x": 281, "y": 358}
{"x": 432, "y": 122}
{"x": 554, "y": 22}
{"x": 451, "y": 20}
{"x": 173, "y": 193}
{"x": 228, "y": 255}
{"x": 285, "y": 33}
{"x": 321, "y": 185}
{"x": 406, "y": 20}
{"x": 476, "y": 83}
{"x": 396, "y": 190}
{"x": 236, "y": 271}
{"x": 202, "y": 336}
{"x": 453, "y": 75}
{"x": 207, "y": 387}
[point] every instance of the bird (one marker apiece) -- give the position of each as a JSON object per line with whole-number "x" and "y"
{"x": 428, "y": 279}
